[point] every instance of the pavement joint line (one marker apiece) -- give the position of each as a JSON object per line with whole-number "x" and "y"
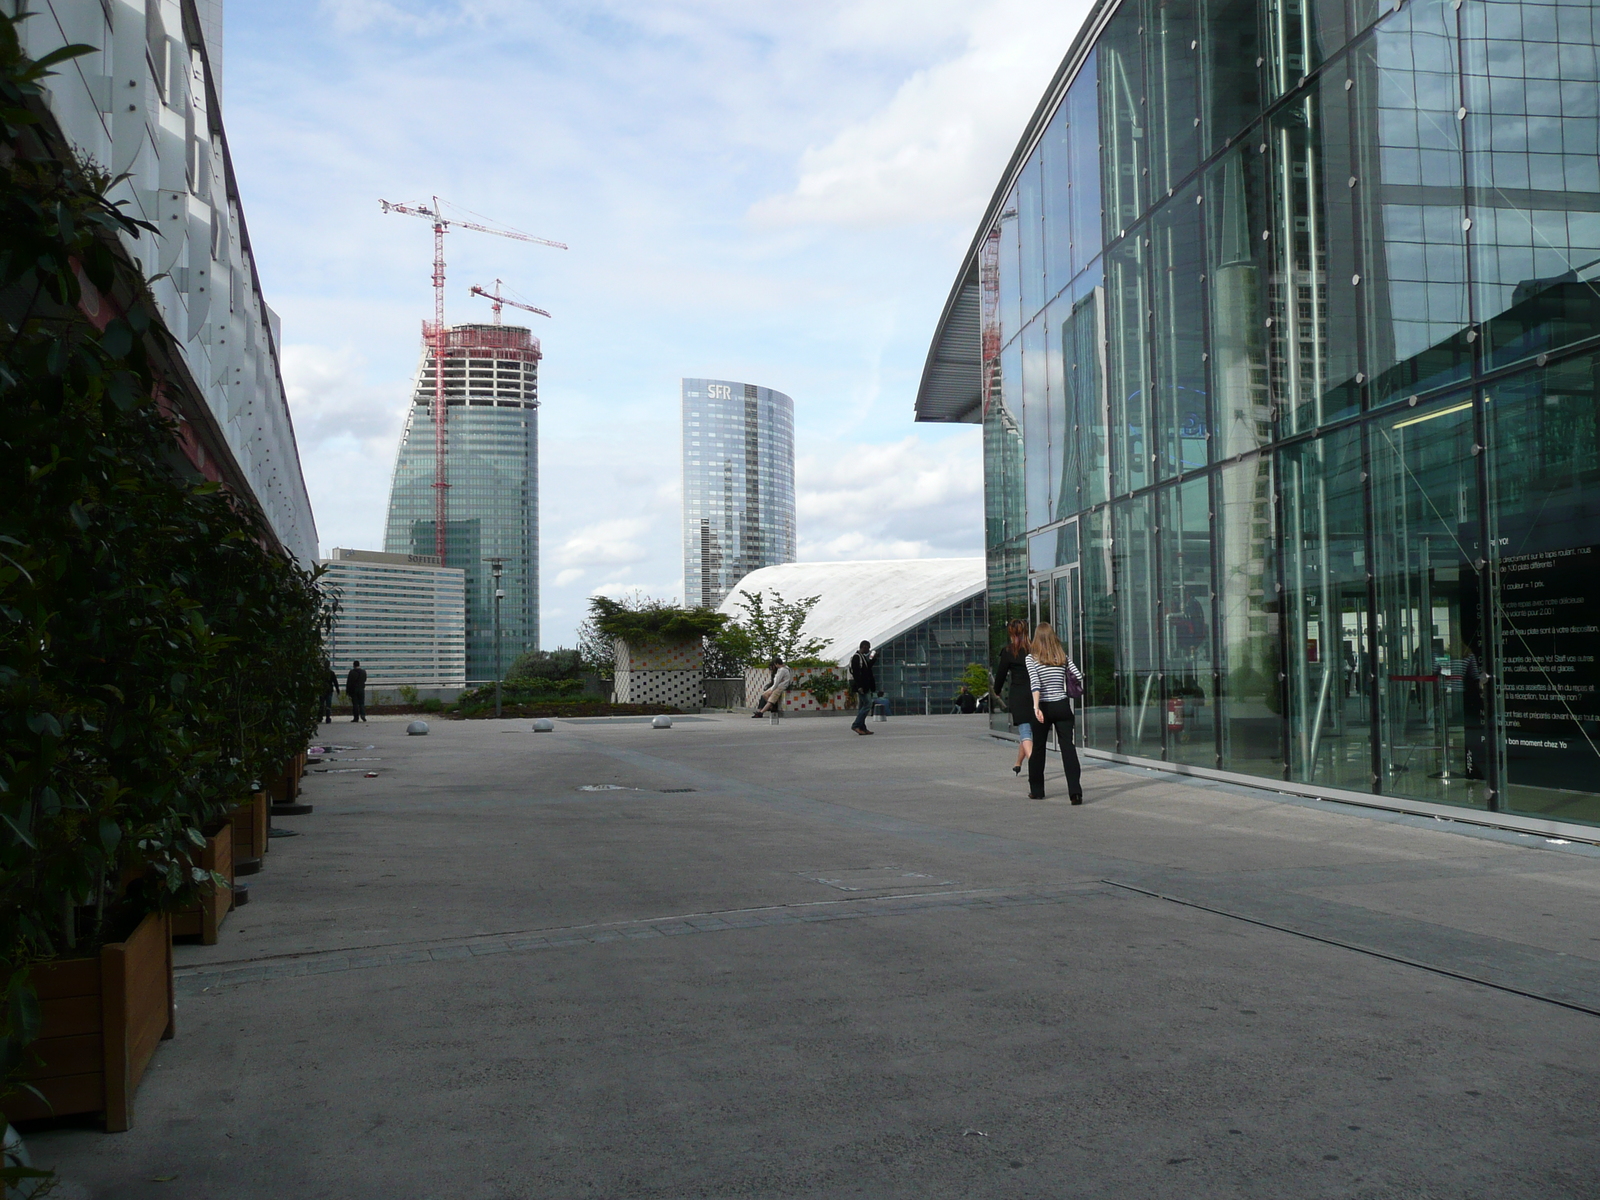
{"x": 214, "y": 976}
{"x": 1359, "y": 949}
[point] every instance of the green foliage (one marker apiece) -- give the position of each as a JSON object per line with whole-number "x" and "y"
{"x": 824, "y": 686}
{"x": 520, "y": 691}
{"x": 408, "y": 693}
{"x": 158, "y": 654}
{"x": 652, "y": 620}
{"x": 772, "y": 628}
{"x": 977, "y": 679}
{"x": 432, "y": 705}
{"x": 547, "y": 664}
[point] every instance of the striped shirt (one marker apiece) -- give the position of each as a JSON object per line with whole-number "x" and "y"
{"x": 1051, "y": 682}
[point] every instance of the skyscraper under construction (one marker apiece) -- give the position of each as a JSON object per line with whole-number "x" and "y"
{"x": 491, "y": 395}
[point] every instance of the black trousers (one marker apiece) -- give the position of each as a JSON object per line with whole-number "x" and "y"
{"x": 1057, "y": 716}
{"x": 327, "y": 706}
{"x": 358, "y": 705}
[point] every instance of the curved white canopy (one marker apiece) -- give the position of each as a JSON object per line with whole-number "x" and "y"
{"x": 875, "y": 600}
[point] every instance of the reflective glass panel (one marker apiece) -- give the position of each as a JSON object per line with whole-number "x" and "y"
{"x": 1544, "y": 511}
{"x": 1063, "y": 486}
{"x": 1189, "y": 710}
{"x": 1085, "y": 478}
{"x": 1329, "y": 627}
{"x": 1533, "y": 174}
{"x": 1425, "y": 483}
{"x": 1235, "y": 212}
{"x": 1137, "y": 643}
{"x": 1301, "y": 35}
{"x": 1004, "y": 521}
{"x": 1009, "y": 272}
{"x": 1055, "y": 155}
{"x": 1083, "y": 138}
{"x": 1030, "y": 236}
{"x": 1230, "y": 80}
{"x": 1124, "y": 146}
{"x": 1412, "y": 203}
{"x": 1313, "y": 288}
{"x": 1250, "y": 696}
{"x": 1032, "y": 347}
{"x": 1097, "y": 711}
{"x": 1171, "y": 41}
{"x": 1182, "y": 423}
{"x": 1128, "y": 369}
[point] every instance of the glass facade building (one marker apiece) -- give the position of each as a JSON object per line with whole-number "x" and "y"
{"x": 1284, "y": 334}
{"x": 402, "y": 615}
{"x": 738, "y": 485}
{"x": 491, "y": 381}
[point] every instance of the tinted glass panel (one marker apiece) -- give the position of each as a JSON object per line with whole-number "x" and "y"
{"x": 1083, "y": 139}
{"x": 1097, "y": 713}
{"x": 1186, "y": 618}
{"x": 1230, "y": 80}
{"x": 1128, "y": 369}
{"x": 1235, "y": 210}
{"x": 1138, "y": 645}
{"x": 1036, "y": 421}
{"x": 1250, "y": 697}
{"x": 1173, "y": 71}
{"x": 1124, "y": 146}
{"x": 1182, "y": 418}
{"x": 1030, "y": 237}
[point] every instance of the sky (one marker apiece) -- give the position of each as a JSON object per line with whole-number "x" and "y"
{"x": 775, "y": 193}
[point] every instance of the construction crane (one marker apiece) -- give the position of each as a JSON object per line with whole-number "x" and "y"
{"x": 498, "y": 300}
{"x": 433, "y": 335}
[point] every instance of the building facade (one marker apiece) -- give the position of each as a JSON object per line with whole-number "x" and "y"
{"x": 1283, "y": 332}
{"x": 146, "y": 106}
{"x": 738, "y": 485}
{"x": 491, "y": 382}
{"x": 402, "y": 615}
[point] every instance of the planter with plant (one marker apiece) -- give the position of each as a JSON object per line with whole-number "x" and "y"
{"x": 657, "y": 649}
{"x": 160, "y": 652}
{"x": 203, "y": 918}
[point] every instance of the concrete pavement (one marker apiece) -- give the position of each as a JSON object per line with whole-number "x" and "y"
{"x": 786, "y": 961}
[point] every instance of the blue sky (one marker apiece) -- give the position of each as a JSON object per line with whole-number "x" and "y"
{"x": 775, "y": 193}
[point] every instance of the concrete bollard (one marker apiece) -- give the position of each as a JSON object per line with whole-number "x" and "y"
{"x": 661, "y": 722}
{"x": 544, "y": 725}
{"x": 417, "y": 728}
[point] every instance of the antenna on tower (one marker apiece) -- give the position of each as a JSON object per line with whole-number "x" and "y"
{"x": 434, "y": 336}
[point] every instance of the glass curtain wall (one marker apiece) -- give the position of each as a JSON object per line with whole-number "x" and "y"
{"x": 1296, "y": 328}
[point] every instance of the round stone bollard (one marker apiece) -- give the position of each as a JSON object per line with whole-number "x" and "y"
{"x": 661, "y": 722}
{"x": 544, "y": 725}
{"x": 417, "y": 728}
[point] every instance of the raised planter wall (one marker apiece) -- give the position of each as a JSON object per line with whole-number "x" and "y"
{"x": 101, "y": 1020}
{"x": 659, "y": 672}
{"x": 794, "y": 700}
{"x": 206, "y": 917}
{"x": 249, "y": 823}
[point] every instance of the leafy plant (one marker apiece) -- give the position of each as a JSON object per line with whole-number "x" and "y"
{"x": 432, "y": 705}
{"x": 652, "y": 620}
{"x": 408, "y": 693}
{"x": 771, "y": 628}
{"x": 977, "y": 679}
{"x": 547, "y": 664}
{"x": 823, "y": 687}
{"x": 159, "y": 654}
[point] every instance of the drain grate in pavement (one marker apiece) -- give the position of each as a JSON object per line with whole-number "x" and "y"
{"x": 677, "y": 789}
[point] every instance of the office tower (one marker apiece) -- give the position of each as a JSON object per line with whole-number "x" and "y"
{"x": 1283, "y": 338}
{"x": 738, "y": 485}
{"x": 491, "y": 383}
{"x": 402, "y": 615}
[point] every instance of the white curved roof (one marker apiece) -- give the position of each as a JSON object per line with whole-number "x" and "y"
{"x": 875, "y": 600}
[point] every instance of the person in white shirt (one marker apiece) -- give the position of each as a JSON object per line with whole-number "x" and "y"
{"x": 1054, "y": 678}
{"x": 772, "y": 698}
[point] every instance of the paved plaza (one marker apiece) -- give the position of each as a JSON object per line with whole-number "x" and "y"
{"x": 738, "y": 959}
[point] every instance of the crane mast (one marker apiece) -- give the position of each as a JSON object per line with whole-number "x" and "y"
{"x": 435, "y": 338}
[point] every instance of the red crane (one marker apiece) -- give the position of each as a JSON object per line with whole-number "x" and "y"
{"x": 433, "y": 335}
{"x": 498, "y": 300}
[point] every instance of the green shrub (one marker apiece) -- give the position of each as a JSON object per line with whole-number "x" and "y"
{"x": 432, "y": 705}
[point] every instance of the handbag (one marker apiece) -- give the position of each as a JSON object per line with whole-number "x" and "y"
{"x": 1074, "y": 686}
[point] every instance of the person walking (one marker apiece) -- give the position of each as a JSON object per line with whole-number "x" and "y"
{"x": 1019, "y": 698}
{"x": 1053, "y": 678}
{"x": 864, "y": 683}
{"x": 330, "y": 689}
{"x": 772, "y": 698}
{"x": 355, "y": 686}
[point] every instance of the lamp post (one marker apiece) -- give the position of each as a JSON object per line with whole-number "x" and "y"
{"x": 496, "y": 565}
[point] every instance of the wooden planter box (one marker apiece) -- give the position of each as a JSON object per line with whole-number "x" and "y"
{"x": 250, "y": 828}
{"x": 206, "y": 917}
{"x": 101, "y": 1020}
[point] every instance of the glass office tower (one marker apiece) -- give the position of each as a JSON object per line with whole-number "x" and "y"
{"x": 491, "y": 380}
{"x": 1283, "y": 331}
{"x": 738, "y": 485}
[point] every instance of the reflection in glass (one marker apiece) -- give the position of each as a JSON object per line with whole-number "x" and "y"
{"x": 1008, "y": 270}
{"x": 1181, "y": 421}
{"x": 1085, "y": 477}
{"x": 1138, "y": 663}
{"x": 1173, "y": 71}
{"x": 1425, "y": 483}
{"x": 1533, "y": 173}
{"x": 1544, "y": 513}
{"x": 1230, "y": 81}
{"x": 1128, "y": 365}
{"x": 1097, "y": 712}
{"x": 1030, "y": 236}
{"x": 1035, "y": 420}
{"x": 1004, "y": 524}
{"x": 1301, "y": 34}
{"x": 1186, "y": 609}
{"x": 1235, "y": 213}
{"x": 1124, "y": 148}
{"x": 1409, "y": 185}
{"x": 1083, "y": 140}
{"x": 1313, "y": 335}
{"x": 1326, "y": 612}
{"x": 1250, "y": 697}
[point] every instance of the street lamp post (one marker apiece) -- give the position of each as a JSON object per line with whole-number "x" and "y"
{"x": 496, "y": 565}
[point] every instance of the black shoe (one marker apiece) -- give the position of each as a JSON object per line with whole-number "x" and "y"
{"x": 868, "y": 732}
{"x": 1077, "y": 798}
{"x": 1017, "y": 770}
{"x": 1035, "y": 795}
{"x": 756, "y": 716}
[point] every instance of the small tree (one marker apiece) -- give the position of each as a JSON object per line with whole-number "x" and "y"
{"x": 977, "y": 679}
{"x": 559, "y": 663}
{"x": 772, "y": 628}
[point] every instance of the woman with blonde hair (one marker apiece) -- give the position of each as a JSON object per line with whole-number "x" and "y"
{"x": 1018, "y": 701}
{"x": 1054, "y": 678}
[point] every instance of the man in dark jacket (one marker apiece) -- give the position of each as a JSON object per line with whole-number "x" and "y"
{"x": 330, "y": 689}
{"x": 355, "y": 686}
{"x": 864, "y": 683}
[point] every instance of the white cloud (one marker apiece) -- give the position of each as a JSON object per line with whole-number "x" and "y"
{"x": 935, "y": 150}
{"x": 570, "y": 575}
{"x": 605, "y": 543}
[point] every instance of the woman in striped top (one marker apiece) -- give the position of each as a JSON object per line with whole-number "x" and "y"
{"x": 1048, "y": 672}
